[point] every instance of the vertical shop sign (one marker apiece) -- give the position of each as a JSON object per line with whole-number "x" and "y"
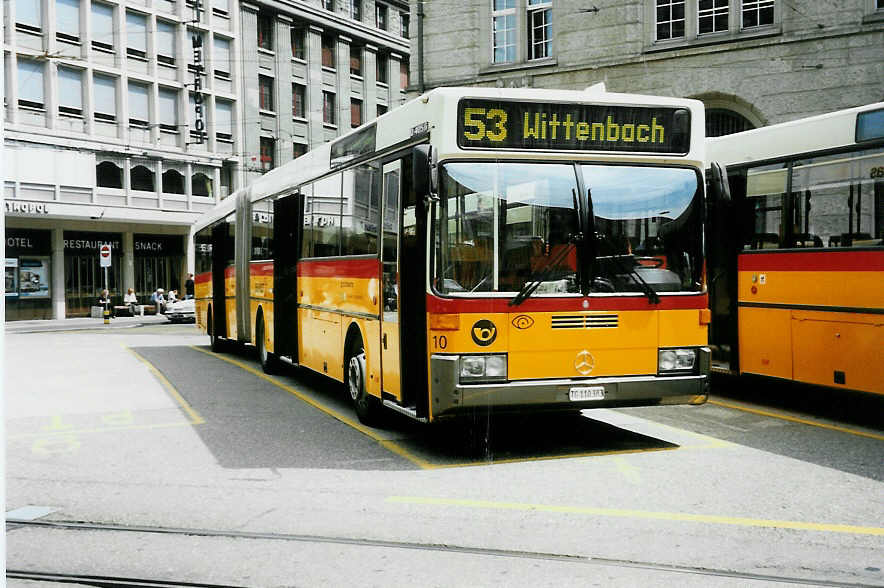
{"x": 199, "y": 122}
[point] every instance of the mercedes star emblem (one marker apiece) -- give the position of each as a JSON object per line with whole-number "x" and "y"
{"x": 584, "y": 363}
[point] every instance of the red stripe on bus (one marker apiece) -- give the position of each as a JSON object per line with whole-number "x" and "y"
{"x": 229, "y": 271}
{"x": 845, "y": 260}
{"x": 202, "y": 278}
{"x": 501, "y": 305}
{"x": 261, "y": 268}
{"x": 340, "y": 268}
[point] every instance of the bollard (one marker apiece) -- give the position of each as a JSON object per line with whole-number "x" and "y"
{"x": 106, "y": 316}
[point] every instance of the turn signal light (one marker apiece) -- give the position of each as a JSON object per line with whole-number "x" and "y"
{"x": 705, "y": 316}
{"x": 444, "y": 322}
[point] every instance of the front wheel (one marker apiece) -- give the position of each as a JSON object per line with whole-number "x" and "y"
{"x": 368, "y": 408}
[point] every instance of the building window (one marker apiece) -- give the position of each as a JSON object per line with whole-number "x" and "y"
{"x": 355, "y": 60}
{"x": 29, "y": 16}
{"x": 30, "y": 83}
{"x": 539, "y": 29}
{"x": 265, "y": 93}
{"x": 221, "y": 57}
{"x": 403, "y": 74}
{"x": 167, "y": 107}
{"x": 712, "y": 16}
{"x": 329, "y": 5}
{"x": 670, "y": 19}
{"x": 383, "y": 69}
{"x": 328, "y": 51}
{"x": 299, "y": 43}
{"x": 299, "y": 93}
{"x": 759, "y": 13}
{"x": 102, "y": 27}
{"x": 201, "y": 185}
{"x": 720, "y": 121}
{"x": 356, "y": 9}
{"x": 223, "y": 120}
{"x": 67, "y": 20}
{"x": 136, "y": 34}
{"x": 328, "y": 108}
{"x": 298, "y": 149}
{"x": 108, "y": 175}
{"x": 141, "y": 179}
{"x": 220, "y": 7}
{"x": 265, "y": 32}
{"x": 138, "y": 105}
{"x": 104, "y": 89}
{"x": 268, "y": 147}
{"x": 70, "y": 91}
{"x": 503, "y": 31}
{"x": 381, "y": 15}
{"x": 173, "y": 182}
{"x": 165, "y": 42}
{"x": 382, "y": 109}
{"x": 404, "y": 22}
{"x": 355, "y": 112}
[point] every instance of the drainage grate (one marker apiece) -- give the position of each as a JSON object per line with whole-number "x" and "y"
{"x": 585, "y": 321}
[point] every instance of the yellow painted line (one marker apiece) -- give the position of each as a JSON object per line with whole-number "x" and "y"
{"x": 386, "y": 443}
{"x": 195, "y": 418}
{"x": 552, "y": 457}
{"x": 111, "y": 429}
{"x": 793, "y": 419}
{"x": 640, "y": 514}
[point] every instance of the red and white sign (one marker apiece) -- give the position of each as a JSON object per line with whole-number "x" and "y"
{"x": 104, "y": 254}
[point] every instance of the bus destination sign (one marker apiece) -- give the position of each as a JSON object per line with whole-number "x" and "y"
{"x": 498, "y": 124}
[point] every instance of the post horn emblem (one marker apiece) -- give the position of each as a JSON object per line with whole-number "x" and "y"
{"x": 584, "y": 363}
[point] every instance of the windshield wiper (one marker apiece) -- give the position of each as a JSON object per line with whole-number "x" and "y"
{"x": 653, "y": 298}
{"x": 540, "y": 275}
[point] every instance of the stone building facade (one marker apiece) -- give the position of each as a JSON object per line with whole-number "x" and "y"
{"x": 752, "y": 62}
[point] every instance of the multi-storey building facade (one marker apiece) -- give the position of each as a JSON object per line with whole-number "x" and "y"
{"x": 752, "y": 62}
{"x": 124, "y": 120}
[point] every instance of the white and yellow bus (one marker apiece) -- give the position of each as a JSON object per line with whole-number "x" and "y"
{"x": 478, "y": 250}
{"x": 798, "y": 265}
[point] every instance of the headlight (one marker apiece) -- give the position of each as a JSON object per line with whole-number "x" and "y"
{"x": 476, "y": 368}
{"x": 676, "y": 360}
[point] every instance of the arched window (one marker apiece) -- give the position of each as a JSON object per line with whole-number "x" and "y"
{"x": 108, "y": 175}
{"x": 142, "y": 179}
{"x": 720, "y": 121}
{"x": 173, "y": 182}
{"x": 201, "y": 184}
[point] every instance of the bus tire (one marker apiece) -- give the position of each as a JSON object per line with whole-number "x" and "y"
{"x": 368, "y": 408}
{"x": 267, "y": 359}
{"x": 215, "y": 342}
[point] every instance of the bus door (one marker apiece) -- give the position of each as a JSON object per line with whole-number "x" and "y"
{"x": 221, "y": 254}
{"x": 391, "y": 377}
{"x": 286, "y": 234}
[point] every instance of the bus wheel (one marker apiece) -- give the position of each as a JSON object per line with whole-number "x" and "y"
{"x": 368, "y": 407}
{"x": 268, "y": 360}
{"x": 215, "y": 342}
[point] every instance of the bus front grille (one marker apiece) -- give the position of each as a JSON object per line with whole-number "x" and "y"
{"x": 585, "y": 321}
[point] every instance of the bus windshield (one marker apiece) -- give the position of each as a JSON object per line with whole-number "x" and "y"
{"x": 508, "y": 224}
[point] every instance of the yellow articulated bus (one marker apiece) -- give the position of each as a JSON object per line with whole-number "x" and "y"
{"x": 797, "y": 268}
{"x": 478, "y": 250}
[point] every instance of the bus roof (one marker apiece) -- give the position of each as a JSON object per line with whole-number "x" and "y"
{"x": 832, "y": 130}
{"x": 436, "y": 112}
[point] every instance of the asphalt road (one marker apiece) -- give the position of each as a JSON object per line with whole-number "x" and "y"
{"x": 139, "y": 454}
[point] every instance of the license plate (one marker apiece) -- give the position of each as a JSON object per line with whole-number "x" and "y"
{"x": 586, "y": 393}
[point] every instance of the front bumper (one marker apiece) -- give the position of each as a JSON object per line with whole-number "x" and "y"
{"x": 450, "y": 397}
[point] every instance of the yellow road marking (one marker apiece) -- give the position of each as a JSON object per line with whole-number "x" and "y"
{"x": 793, "y": 419}
{"x": 195, "y": 418}
{"x": 386, "y": 443}
{"x": 640, "y": 514}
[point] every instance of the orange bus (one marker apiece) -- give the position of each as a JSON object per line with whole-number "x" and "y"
{"x": 477, "y": 250}
{"x": 797, "y": 279}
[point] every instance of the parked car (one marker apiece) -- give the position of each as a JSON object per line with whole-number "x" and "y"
{"x": 182, "y": 311}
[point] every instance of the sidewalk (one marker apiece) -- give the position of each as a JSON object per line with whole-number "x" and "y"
{"x": 81, "y": 324}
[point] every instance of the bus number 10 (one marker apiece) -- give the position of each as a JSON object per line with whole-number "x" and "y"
{"x": 480, "y": 123}
{"x": 440, "y": 341}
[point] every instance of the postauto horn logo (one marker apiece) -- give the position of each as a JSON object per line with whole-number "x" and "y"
{"x": 484, "y": 333}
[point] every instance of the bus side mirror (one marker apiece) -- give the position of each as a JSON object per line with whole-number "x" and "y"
{"x": 719, "y": 187}
{"x": 424, "y": 174}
